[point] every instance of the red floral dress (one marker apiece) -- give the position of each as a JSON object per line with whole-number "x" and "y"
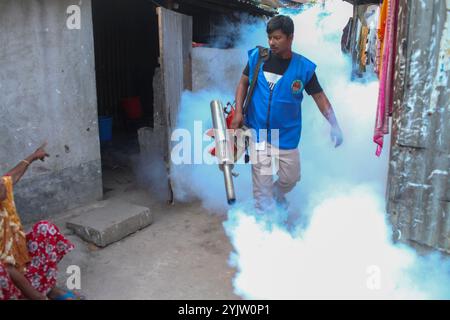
{"x": 46, "y": 247}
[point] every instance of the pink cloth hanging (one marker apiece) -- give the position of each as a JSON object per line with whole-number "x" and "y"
{"x": 385, "y": 95}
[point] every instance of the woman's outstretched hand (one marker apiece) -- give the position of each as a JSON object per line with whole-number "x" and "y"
{"x": 40, "y": 152}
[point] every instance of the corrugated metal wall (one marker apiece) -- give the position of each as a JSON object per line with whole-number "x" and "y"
{"x": 419, "y": 171}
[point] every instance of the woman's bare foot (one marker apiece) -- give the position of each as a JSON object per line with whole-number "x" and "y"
{"x": 57, "y": 294}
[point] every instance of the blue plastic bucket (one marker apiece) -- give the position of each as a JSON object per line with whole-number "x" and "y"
{"x": 105, "y": 128}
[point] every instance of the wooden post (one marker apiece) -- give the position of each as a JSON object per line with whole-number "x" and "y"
{"x": 173, "y": 67}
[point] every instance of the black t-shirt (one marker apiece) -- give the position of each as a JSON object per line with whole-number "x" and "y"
{"x": 275, "y": 67}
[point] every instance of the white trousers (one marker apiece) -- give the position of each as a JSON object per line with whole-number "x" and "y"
{"x": 285, "y": 164}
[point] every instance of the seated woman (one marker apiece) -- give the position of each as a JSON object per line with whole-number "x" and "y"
{"x": 28, "y": 262}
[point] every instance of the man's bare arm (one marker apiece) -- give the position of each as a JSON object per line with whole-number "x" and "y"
{"x": 241, "y": 94}
{"x": 326, "y": 109}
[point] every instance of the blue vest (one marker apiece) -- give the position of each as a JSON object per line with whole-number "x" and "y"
{"x": 280, "y": 108}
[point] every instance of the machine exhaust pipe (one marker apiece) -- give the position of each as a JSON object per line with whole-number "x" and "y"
{"x": 224, "y": 151}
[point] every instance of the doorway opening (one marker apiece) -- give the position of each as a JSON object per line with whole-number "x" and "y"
{"x": 126, "y": 46}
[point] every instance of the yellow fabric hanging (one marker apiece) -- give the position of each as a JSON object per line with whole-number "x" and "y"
{"x": 362, "y": 48}
{"x": 381, "y": 32}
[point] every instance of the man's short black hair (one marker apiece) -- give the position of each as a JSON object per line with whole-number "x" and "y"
{"x": 280, "y": 22}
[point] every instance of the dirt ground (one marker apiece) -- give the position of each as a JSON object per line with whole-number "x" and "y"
{"x": 182, "y": 255}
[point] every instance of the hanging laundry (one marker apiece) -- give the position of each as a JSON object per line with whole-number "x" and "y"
{"x": 364, "y": 32}
{"x": 385, "y": 96}
{"x": 371, "y": 17}
{"x": 372, "y": 49}
{"x": 346, "y": 36}
{"x": 363, "y": 48}
{"x": 381, "y": 34}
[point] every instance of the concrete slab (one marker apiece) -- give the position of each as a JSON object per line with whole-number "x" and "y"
{"x": 107, "y": 222}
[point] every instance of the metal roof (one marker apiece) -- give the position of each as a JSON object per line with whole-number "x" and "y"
{"x": 258, "y": 7}
{"x": 255, "y": 7}
{"x": 360, "y": 2}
